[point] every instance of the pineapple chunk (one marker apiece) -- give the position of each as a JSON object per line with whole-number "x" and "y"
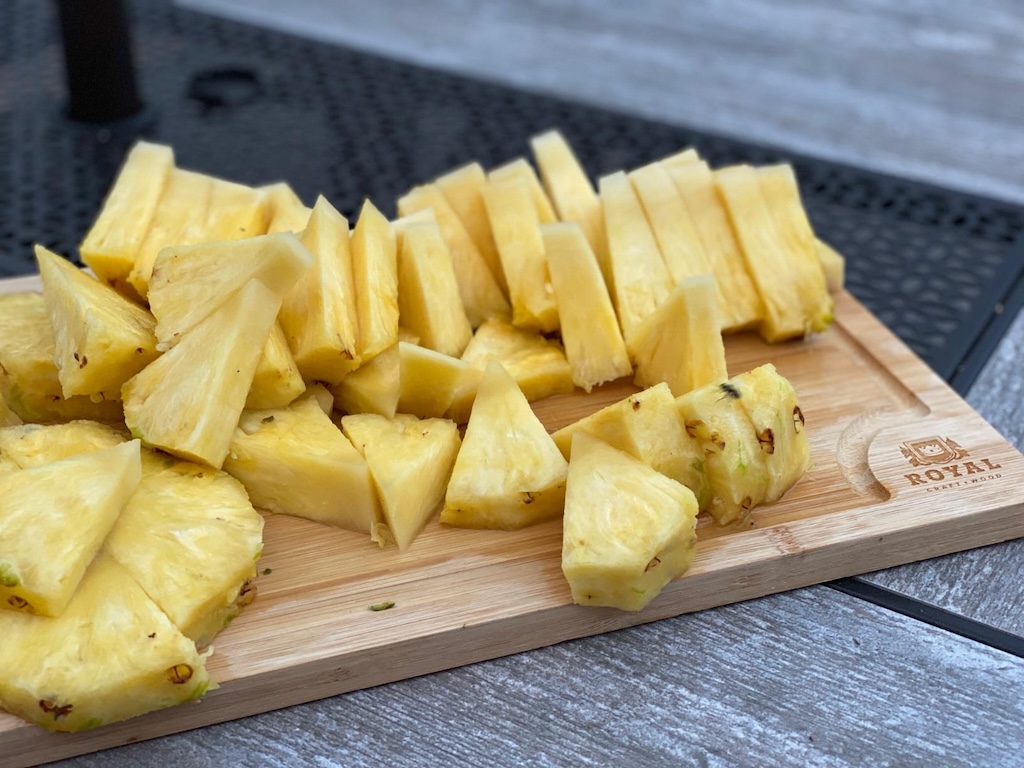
{"x": 285, "y": 211}
{"x": 520, "y": 170}
{"x": 627, "y": 532}
{"x": 429, "y": 380}
{"x": 101, "y": 338}
{"x": 53, "y": 521}
{"x": 772, "y": 405}
{"x": 648, "y": 427}
{"x": 428, "y": 293}
{"x": 640, "y": 280}
{"x": 8, "y": 418}
{"x": 295, "y": 461}
{"x": 36, "y": 445}
{"x": 372, "y": 388}
{"x": 538, "y": 365}
{"x": 29, "y": 380}
{"x": 683, "y": 157}
{"x": 516, "y": 230}
{"x": 463, "y": 189}
{"x": 590, "y": 331}
{"x": 399, "y": 226}
{"x": 681, "y": 343}
{"x": 410, "y": 461}
{"x": 479, "y": 289}
{"x": 188, "y": 401}
{"x": 375, "y": 282}
{"x": 735, "y": 462}
{"x": 834, "y": 266}
{"x": 235, "y": 211}
{"x": 111, "y": 655}
{"x": 509, "y": 474}
{"x": 738, "y": 300}
{"x": 123, "y": 223}
{"x": 277, "y": 381}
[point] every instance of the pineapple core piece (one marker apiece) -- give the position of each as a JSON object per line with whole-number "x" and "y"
{"x": 101, "y": 338}
{"x": 463, "y": 189}
{"x": 188, "y": 401}
{"x": 429, "y": 380}
{"x": 520, "y": 170}
{"x": 627, "y": 532}
{"x": 111, "y": 655}
{"x": 285, "y": 211}
{"x": 537, "y": 364}
{"x": 53, "y": 521}
{"x": 590, "y": 331}
{"x": 123, "y": 223}
{"x": 648, "y": 427}
{"x": 375, "y": 282}
{"x": 509, "y": 473}
{"x": 834, "y": 266}
{"x": 295, "y": 461}
{"x": 410, "y": 461}
{"x": 374, "y": 387}
{"x": 277, "y": 380}
{"x": 681, "y": 343}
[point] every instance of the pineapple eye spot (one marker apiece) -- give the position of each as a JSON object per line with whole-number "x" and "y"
{"x": 693, "y": 426}
{"x": 767, "y": 440}
{"x": 730, "y": 390}
{"x": 636, "y": 404}
{"x": 246, "y": 594}
{"x": 655, "y": 562}
{"x": 51, "y": 708}
{"x": 180, "y": 674}
{"x": 747, "y": 503}
{"x": 20, "y": 604}
{"x": 527, "y": 497}
{"x": 798, "y": 419}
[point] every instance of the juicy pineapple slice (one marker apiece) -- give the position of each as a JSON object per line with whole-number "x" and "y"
{"x": 520, "y": 170}
{"x": 516, "y": 229}
{"x": 372, "y": 388}
{"x": 188, "y": 401}
{"x": 833, "y": 265}
{"x": 428, "y": 292}
{"x": 101, "y": 338}
{"x": 463, "y": 189}
{"x": 509, "y": 474}
{"x": 113, "y": 654}
{"x": 590, "y": 331}
{"x": 53, "y": 521}
{"x": 735, "y": 462}
{"x": 375, "y": 282}
{"x": 628, "y": 530}
{"x": 285, "y": 211}
{"x": 681, "y": 343}
{"x": 29, "y": 380}
{"x": 410, "y": 461}
{"x": 538, "y": 365}
{"x": 774, "y": 409}
{"x": 295, "y": 461}
{"x": 277, "y": 381}
{"x": 235, "y": 211}
{"x": 479, "y": 289}
{"x": 648, "y": 427}
{"x": 640, "y": 280}
{"x": 8, "y": 418}
{"x": 738, "y": 299}
{"x": 429, "y": 380}
{"x": 122, "y": 225}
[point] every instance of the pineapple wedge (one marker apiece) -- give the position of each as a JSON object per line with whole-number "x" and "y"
{"x": 295, "y": 461}
{"x": 188, "y": 401}
{"x": 590, "y": 331}
{"x": 683, "y": 157}
{"x": 640, "y": 280}
{"x": 538, "y": 365}
{"x": 53, "y": 521}
{"x": 681, "y": 343}
{"x": 113, "y": 654}
{"x": 277, "y": 381}
{"x": 735, "y": 461}
{"x": 463, "y": 189}
{"x": 410, "y": 461}
{"x": 122, "y": 225}
{"x": 627, "y": 532}
{"x": 101, "y": 338}
{"x": 834, "y": 266}
{"x": 29, "y": 379}
{"x": 520, "y": 170}
{"x": 374, "y": 387}
{"x": 375, "y": 282}
{"x": 509, "y": 474}
{"x": 285, "y": 211}
{"x": 648, "y": 427}
{"x": 516, "y": 229}
{"x": 235, "y": 211}
{"x": 429, "y": 380}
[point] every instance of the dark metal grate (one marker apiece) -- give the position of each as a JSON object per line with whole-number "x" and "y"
{"x": 258, "y": 106}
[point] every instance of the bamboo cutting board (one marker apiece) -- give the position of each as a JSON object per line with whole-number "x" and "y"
{"x": 903, "y": 470}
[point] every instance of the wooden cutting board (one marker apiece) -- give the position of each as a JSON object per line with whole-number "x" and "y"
{"x": 903, "y": 470}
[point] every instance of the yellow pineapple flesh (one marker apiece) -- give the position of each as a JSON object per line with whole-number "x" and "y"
{"x": 429, "y": 380}
{"x": 410, "y": 461}
{"x": 285, "y": 210}
{"x": 538, "y": 365}
{"x": 375, "y": 282}
{"x": 463, "y": 189}
{"x": 8, "y": 418}
{"x": 682, "y": 157}
{"x": 520, "y": 170}
{"x": 833, "y": 265}
{"x": 277, "y": 381}
{"x": 35, "y": 445}
{"x": 627, "y": 531}
{"x": 235, "y": 211}
{"x": 374, "y": 387}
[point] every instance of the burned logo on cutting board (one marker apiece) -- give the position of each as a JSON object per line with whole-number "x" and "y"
{"x": 945, "y": 468}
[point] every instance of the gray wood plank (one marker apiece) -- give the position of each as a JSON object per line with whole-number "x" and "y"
{"x": 810, "y": 678}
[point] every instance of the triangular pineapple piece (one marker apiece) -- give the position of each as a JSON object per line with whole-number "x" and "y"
{"x": 123, "y": 223}
{"x": 520, "y": 170}
{"x": 738, "y": 300}
{"x": 277, "y": 381}
{"x": 29, "y": 379}
{"x": 463, "y": 189}
{"x": 374, "y": 387}
{"x": 190, "y": 282}
{"x": 516, "y": 229}
{"x": 235, "y": 211}
{"x": 410, "y": 461}
{"x": 509, "y": 473}
{"x": 772, "y": 405}
{"x": 479, "y": 289}
{"x": 53, "y": 521}
{"x": 102, "y": 339}
{"x": 590, "y": 331}
{"x": 400, "y": 225}
{"x": 111, "y": 655}
{"x": 428, "y": 292}
{"x": 735, "y": 462}
{"x": 429, "y": 380}
{"x": 8, "y": 418}
{"x": 285, "y": 211}
{"x": 295, "y": 461}
{"x": 640, "y": 280}
{"x": 375, "y": 282}
{"x": 188, "y": 401}
{"x": 681, "y": 343}
{"x": 648, "y": 427}
{"x": 538, "y": 365}
{"x": 627, "y": 531}
{"x": 834, "y": 266}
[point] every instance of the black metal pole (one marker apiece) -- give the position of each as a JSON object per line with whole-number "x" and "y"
{"x": 98, "y": 60}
